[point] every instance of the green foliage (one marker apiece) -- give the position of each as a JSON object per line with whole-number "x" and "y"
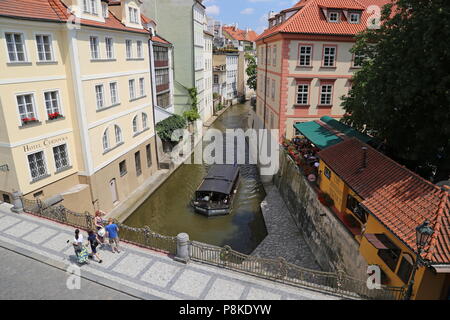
{"x": 166, "y": 127}
{"x": 193, "y": 95}
{"x": 216, "y": 96}
{"x": 191, "y": 115}
{"x": 402, "y": 92}
{"x": 251, "y": 71}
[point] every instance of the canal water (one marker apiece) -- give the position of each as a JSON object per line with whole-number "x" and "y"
{"x": 168, "y": 211}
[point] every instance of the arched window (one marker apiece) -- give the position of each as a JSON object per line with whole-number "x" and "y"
{"x": 144, "y": 121}
{"x": 118, "y": 133}
{"x": 135, "y": 125}
{"x": 105, "y": 140}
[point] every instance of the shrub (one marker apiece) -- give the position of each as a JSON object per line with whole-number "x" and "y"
{"x": 191, "y": 115}
{"x": 166, "y": 127}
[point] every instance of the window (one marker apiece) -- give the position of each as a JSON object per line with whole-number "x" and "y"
{"x": 354, "y": 17}
{"x": 333, "y": 16}
{"x": 37, "y": 165}
{"x": 99, "y": 94}
{"x": 358, "y": 60}
{"x": 44, "y": 47}
{"x": 405, "y": 269}
{"x": 109, "y": 48}
{"x": 274, "y": 63}
{"x": 118, "y": 134}
{"x": 273, "y": 89}
{"x": 94, "y": 48}
{"x": 329, "y": 56}
{"x": 305, "y": 55}
{"x": 133, "y": 15}
{"x": 327, "y": 173}
{"x": 353, "y": 206}
{"x": 163, "y": 100}
{"x": 131, "y": 88}
{"x": 135, "y": 125}
{"x": 113, "y": 91}
{"x": 105, "y": 140}
{"x": 105, "y": 11}
{"x": 160, "y": 53}
{"x": 390, "y": 252}
{"x": 139, "y": 49}
{"x": 325, "y": 94}
{"x": 162, "y": 77}
{"x": 216, "y": 79}
{"x": 144, "y": 121}
{"x": 149, "y": 155}
{"x": 25, "y": 104}
{"x": 93, "y": 7}
{"x": 302, "y": 94}
{"x": 52, "y": 104}
{"x": 16, "y": 47}
{"x": 129, "y": 45}
{"x": 141, "y": 87}
{"x": 61, "y": 157}
{"x": 123, "y": 168}
{"x": 137, "y": 162}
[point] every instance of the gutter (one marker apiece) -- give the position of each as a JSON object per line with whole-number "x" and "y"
{"x": 153, "y": 84}
{"x": 265, "y": 87}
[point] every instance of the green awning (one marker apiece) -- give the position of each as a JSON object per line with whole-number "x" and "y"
{"x": 345, "y": 129}
{"x": 317, "y": 134}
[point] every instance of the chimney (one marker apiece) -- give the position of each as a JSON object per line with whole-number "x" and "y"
{"x": 364, "y": 158}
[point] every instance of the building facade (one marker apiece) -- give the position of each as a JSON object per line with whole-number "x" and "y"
{"x": 189, "y": 45}
{"x": 305, "y": 64}
{"x": 76, "y": 101}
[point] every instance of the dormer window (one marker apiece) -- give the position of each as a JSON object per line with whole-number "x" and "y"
{"x": 90, "y": 6}
{"x": 105, "y": 11}
{"x": 333, "y": 16}
{"x": 133, "y": 14}
{"x": 354, "y": 17}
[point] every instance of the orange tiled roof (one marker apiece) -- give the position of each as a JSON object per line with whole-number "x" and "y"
{"x": 310, "y": 18}
{"x": 55, "y": 10}
{"x": 397, "y": 197}
{"x": 241, "y": 35}
{"x": 157, "y": 38}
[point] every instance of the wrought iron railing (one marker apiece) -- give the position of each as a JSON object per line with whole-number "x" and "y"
{"x": 143, "y": 237}
{"x": 280, "y": 270}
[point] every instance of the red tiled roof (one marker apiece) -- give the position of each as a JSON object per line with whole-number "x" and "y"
{"x": 241, "y": 35}
{"x": 310, "y": 19}
{"x": 397, "y": 197}
{"x": 55, "y": 10}
{"x": 157, "y": 38}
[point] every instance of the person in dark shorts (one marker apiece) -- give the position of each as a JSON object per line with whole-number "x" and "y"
{"x": 93, "y": 241}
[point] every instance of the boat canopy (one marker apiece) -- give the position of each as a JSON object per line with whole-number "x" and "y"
{"x": 220, "y": 178}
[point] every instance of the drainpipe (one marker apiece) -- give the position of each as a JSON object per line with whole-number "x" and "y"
{"x": 153, "y": 84}
{"x": 265, "y": 86}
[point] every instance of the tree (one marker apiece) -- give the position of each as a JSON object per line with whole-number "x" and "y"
{"x": 251, "y": 71}
{"x": 402, "y": 92}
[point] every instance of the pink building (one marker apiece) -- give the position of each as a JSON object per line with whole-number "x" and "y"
{"x": 304, "y": 61}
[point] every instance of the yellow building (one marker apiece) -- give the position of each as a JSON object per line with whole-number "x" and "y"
{"x": 386, "y": 202}
{"x": 76, "y": 113}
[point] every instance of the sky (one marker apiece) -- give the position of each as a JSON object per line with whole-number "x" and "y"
{"x": 246, "y": 13}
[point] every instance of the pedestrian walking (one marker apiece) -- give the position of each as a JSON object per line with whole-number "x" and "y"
{"x": 98, "y": 222}
{"x": 93, "y": 241}
{"x": 112, "y": 229}
{"x": 80, "y": 250}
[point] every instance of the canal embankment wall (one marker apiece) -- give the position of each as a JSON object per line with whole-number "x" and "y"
{"x": 330, "y": 241}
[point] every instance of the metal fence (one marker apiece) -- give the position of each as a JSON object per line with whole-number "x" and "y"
{"x": 337, "y": 283}
{"x": 143, "y": 237}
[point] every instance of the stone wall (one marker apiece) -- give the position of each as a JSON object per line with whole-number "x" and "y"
{"x": 331, "y": 243}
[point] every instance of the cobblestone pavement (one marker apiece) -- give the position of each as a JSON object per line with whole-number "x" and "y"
{"x": 283, "y": 238}
{"x": 136, "y": 271}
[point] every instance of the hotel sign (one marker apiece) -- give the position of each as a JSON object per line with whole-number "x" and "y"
{"x": 44, "y": 143}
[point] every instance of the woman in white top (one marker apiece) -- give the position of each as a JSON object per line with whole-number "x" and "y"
{"x": 78, "y": 241}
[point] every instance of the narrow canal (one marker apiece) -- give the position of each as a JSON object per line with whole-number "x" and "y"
{"x": 168, "y": 211}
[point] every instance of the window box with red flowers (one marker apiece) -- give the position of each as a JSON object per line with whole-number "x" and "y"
{"x": 30, "y": 120}
{"x": 55, "y": 115}
{"x": 325, "y": 199}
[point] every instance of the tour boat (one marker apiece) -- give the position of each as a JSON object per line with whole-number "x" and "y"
{"x": 216, "y": 193}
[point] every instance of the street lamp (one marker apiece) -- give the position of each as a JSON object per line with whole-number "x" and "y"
{"x": 423, "y": 235}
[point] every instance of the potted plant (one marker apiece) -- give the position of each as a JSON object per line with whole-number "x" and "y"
{"x": 325, "y": 199}
{"x": 27, "y": 120}
{"x": 54, "y": 115}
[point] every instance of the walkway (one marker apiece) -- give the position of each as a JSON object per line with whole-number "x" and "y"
{"x": 136, "y": 271}
{"x": 283, "y": 237}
